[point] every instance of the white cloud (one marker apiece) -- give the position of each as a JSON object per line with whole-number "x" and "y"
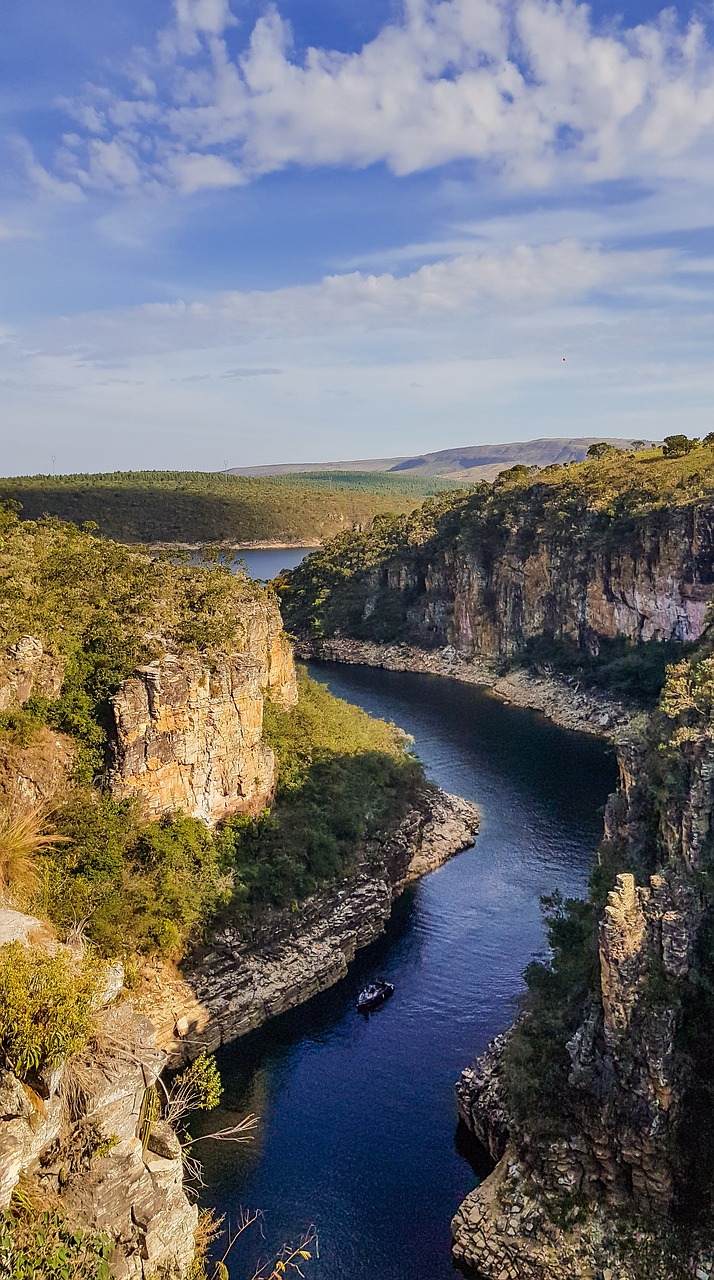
{"x": 533, "y": 89}
{"x": 520, "y": 281}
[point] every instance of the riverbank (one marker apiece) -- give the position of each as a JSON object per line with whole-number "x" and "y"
{"x": 564, "y": 702}
{"x": 250, "y": 976}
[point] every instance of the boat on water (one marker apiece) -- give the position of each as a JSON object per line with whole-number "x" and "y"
{"x": 375, "y": 994}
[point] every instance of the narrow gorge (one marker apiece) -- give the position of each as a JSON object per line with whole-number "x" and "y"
{"x": 571, "y": 592}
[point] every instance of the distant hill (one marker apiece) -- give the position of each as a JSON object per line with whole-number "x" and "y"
{"x": 470, "y": 463}
{"x": 200, "y": 506}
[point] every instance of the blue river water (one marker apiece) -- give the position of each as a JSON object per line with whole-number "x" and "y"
{"x": 357, "y": 1117}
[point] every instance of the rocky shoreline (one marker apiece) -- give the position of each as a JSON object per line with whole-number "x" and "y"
{"x": 247, "y": 978}
{"x": 564, "y": 702}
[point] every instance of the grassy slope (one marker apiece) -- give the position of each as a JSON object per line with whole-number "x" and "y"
{"x": 174, "y": 506}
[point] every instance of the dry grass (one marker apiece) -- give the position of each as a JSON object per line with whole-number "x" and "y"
{"x": 24, "y": 832}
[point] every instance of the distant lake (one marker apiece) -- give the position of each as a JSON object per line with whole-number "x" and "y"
{"x": 266, "y": 563}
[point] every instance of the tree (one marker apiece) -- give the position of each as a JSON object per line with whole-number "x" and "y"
{"x": 600, "y": 450}
{"x": 678, "y": 446}
{"x": 636, "y": 445}
{"x": 709, "y": 439}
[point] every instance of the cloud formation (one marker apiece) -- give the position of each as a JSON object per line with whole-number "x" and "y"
{"x": 521, "y": 281}
{"x": 532, "y": 89}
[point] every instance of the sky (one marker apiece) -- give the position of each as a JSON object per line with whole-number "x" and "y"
{"x": 235, "y": 232}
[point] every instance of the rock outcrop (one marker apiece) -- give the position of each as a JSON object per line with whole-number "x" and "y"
{"x": 76, "y": 1136}
{"x": 25, "y": 670}
{"x": 249, "y": 977}
{"x": 633, "y": 1154}
{"x": 189, "y": 737}
{"x": 187, "y": 732}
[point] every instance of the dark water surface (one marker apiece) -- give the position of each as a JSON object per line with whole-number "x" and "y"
{"x": 262, "y": 563}
{"x": 357, "y": 1116}
{"x": 270, "y": 561}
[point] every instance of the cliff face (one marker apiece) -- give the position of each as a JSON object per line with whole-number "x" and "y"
{"x": 32, "y": 772}
{"x": 75, "y": 1137}
{"x": 638, "y": 1110}
{"x": 489, "y": 596}
{"x": 187, "y": 731}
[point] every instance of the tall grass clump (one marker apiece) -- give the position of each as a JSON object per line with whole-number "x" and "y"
{"x": 24, "y": 832}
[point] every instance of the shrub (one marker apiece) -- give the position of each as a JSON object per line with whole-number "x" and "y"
{"x": 46, "y": 1248}
{"x": 678, "y": 446}
{"x": 46, "y": 1007}
{"x": 148, "y": 887}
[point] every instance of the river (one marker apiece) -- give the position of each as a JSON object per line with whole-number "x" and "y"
{"x": 358, "y": 1122}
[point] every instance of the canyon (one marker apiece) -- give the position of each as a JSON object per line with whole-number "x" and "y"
{"x": 185, "y": 734}
{"x": 609, "y": 1188}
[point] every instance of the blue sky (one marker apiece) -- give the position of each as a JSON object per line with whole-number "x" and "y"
{"x": 245, "y": 232}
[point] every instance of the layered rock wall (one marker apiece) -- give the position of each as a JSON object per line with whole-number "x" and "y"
{"x": 187, "y": 732}
{"x": 631, "y": 1075}
{"x": 75, "y": 1135}
{"x": 488, "y": 592}
{"x": 189, "y": 737}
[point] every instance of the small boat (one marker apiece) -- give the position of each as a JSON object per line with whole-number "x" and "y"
{"x": 374, "y": 995}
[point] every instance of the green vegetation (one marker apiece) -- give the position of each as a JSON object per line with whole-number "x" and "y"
{"x": 157, "y": 887}
{"x": 44, "y": 1247}
{"x": 632, "y": 671}
{"x": 46, "y": 1007}
{"x": 342, "y": 776}
{"x": 200, "y": 506}
{"x": 536, "y": 1061}
{"x": 141, "y": 887}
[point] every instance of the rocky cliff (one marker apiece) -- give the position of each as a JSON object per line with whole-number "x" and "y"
{"x": 653, "y": 582}
{"x": 623, "y": 1189}
{"x": 187, "y": 732}
{"x": 251, "y": 975}
{"x": 583, "y": 556}
{"x": 73, "y": 1136}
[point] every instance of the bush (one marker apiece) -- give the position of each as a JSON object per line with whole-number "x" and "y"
{"x": 46, "y": 1008}
{"x": 46, "y": 1248}
{"x": 678, "y": 446}
{"x": 147, "y": 887}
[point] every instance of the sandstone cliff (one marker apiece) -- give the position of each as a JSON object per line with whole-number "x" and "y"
{"x": 187, "y": 731}
{"x": 582, "y": 560}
